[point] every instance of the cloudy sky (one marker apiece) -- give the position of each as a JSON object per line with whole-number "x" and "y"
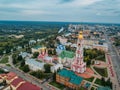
{"x": 61, "y": 10}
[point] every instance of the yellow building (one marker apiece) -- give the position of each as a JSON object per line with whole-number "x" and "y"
{"x": 39, "y": 49}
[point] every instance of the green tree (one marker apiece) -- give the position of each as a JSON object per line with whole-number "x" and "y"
{"x": 47, "y": 68}
{"x": 25, "y": 68}
{"x": 22, "y": 63}
{"x": 19, "y": 58}
{"x": 35, "y": 54}
{"x": 103, "y": 81}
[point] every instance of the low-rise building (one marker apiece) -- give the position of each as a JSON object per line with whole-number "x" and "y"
{"x": 39, "y": 49}
{"x": 60, "y": 48}
{"x": 55, "y": 67}
{"x": 16, "y": 83}
{"x": 28, "y": 86}
{"x": 103, "y": 47}
{"x": 24, "y": 54}
{"x": 66, "y": 57}
{"x": 32, "y": 42}
{"x": 9, "y": 77}
{"x": 35, "y": 65}
{"x": 69, "y": 79}
{"x": 48, "y": 59}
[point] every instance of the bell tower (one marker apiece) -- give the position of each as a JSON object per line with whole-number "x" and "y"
{"x": 78, "y": 64}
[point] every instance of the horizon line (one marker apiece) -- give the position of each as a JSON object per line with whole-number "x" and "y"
{"x": 62, "y": 21}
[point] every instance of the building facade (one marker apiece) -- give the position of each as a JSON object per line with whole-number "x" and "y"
{"x": 69, "y": 79}
{"x": 78, "y": 64}
{"x": 35, "y": 65}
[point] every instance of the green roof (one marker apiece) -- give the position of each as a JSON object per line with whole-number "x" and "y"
{"x": 103, "y": 88}
{"x": 73, "y": 78}
{"x": 67, "y": 54}
{"x": 37, "y": 47}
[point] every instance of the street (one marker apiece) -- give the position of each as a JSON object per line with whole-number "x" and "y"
{"x": 27, "y": 77}
{"x": 115, "y": 60}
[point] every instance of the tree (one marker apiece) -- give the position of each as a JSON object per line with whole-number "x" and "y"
{"x": 54, "y": 76}
{"x": 14, "y": 57}
{"x": 109, "y": 83}
{"x": 38, "y": 74}
{"x": 47, "y": 68}
{"x": 22, "y": 63}
{"x": 103, "y": 81}
{"x": 19, "y": 58}
{"x": 25, "y": 68}
{"x": 35, "y": 54}
{"x": 50, "y": 52}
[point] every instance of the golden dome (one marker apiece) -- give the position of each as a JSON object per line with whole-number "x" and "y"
{"x": 80, "y": 35}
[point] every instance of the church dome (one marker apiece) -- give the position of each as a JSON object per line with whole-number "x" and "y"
{"x": 80, "y": 35}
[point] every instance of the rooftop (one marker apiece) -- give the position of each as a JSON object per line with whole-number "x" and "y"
{"x": 37, "y": 47}
{"x": 73, "y": 78}
{"x": 17, "y": 81}
{"x": 103, "y": 88}
{"x": 35, "y": 63}
{"x": 11, "y": 75}
{"x": 28, "y": 86}
{"x": 67, "y": 54}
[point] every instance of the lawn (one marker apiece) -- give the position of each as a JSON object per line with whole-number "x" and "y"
{"x": 4, "y": 60}
{"x": 101, "y": 58}
{"x": 92, "y": 88}
{"x": 89, "y": 79}
{"x": 57, "y": 85}
{"x": 98, "y": 81}
{"x": 102, "y": 71}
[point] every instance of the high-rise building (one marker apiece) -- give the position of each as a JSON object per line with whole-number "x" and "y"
{"x": 78, "y": 64}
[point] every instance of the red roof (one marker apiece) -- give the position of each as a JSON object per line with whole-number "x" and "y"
{"x": 17, "y": 81}
{"x": 2, "y": 75}
{"x": 11, "y": 75}
{"x": 28, "y": 86}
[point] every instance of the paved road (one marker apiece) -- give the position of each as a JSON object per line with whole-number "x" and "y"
{"x": 27, "y": 77}
{"x": 115, "y": 58}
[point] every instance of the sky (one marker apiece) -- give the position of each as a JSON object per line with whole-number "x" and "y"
{"x": 106, "y": 11}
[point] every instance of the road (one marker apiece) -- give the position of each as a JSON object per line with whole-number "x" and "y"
{"x": 23, "y": 75}
{"x": 27, "y": 77}
{"x": 115, "y": 59}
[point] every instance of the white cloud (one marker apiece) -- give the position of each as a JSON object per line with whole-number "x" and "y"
{"x": 74, "y": 10}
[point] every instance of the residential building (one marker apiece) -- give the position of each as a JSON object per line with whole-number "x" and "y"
{"x": 69, "y": 79}
{"x": 35, "y": 65}
{"x": 16, "y": 83}
{"x": 55, "y": 67}
{"x": 39, "y": 49}
{"x": 66, "y": 57}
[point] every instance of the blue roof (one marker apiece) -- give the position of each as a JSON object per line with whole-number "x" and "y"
{"x": 73, "y": 78}
{"x": 103, "y": 88}
{"x": 61, "y": 47}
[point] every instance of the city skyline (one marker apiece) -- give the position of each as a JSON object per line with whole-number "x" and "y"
{"x": 106, "y": 11}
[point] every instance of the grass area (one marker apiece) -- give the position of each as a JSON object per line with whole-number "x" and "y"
{"x": 90, "y": 79}
{"x": 101, "y": 58}
{"x": 92, "y": 88}
{"x": 60, "y": 86}
{"x": 4, "y": 60}
{"x": 98, "y": 81}
{"x": 8, "y": 65}
{"x": 102, "y": 71}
